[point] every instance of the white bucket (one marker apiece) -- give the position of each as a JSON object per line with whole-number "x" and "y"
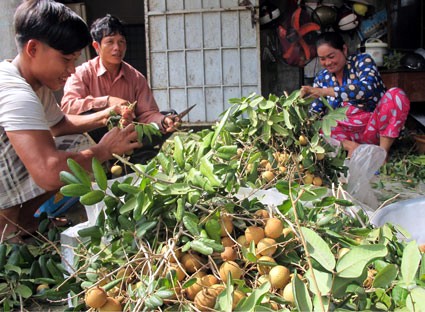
{"x": 376, "y": 48}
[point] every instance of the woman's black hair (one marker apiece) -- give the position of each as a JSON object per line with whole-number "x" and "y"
{"x": 333, "y": 39}
{"x": 52, "y": 23}
{"x": 106, "y": 26}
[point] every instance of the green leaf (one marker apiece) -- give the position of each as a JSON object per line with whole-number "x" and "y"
{"x": 331, "y": 118}
{"x": 410, "y": 263}
{"x": 68, "y": 178}
{"x": 285, "y": 206}
{"x": 207, "y": 169}
{"x": 353, "y": 263}
{"x": 129, "y": 189}
{"x": 340, "y": 285}
{"x": 75, "y": 190}
{"x": 267, "y": 104}
{"x": 319, "y": 249}
{"x": 179, "y": 152}
{"x": 314, "y": 193}
{"x": 399, "y": 295}
{"x": 422, "y": 268}
{"x": 220, "y": 127}
{"x": 283, "y": 187}
{"x": 180, "y": 209}
{"x": 129, "y": 205}
{"x": 324, "y": 281}
{"x": 218, "y": 247}
{"x": 288, "y": 123}
{"x": 165, "y": 163}
{"x": 99, "y": 174}
{"x": 79, "y": 172}
{"x": 266, "y": 133}
{"x": 342, "y": 202}
{"x": 197, "y": 179}
{"x": 416, "y": 300}
{"x": 4, "y": 286}
{"x": 386, "y": 276}
{"x": 143, "y": 228}
{"x": 23, "y": 291}
{"x": 112, "y": 284}
{"x": 191, "y": 221}
{"x": 301, "y": 296}
{"x": 153, "y": 302}
{"x": 227, "y": 152}
{"x": 91, "y": 231}
{"x": 176, "y": 189}
{"x": 253, "y": 117}
{"x": 224, "y": 300}
{"x": 249, "y": 303}
{"x": 125, "y": 223}
{"x": 317, "y": 304}
{"x": 279, "y": 130}
{"x": 201, "y": 247}
{"x": 213, "y": 228}
{"x": 12, "y": 268}
{"x": 92, "y": 197}
{"x": 164, "y": 293}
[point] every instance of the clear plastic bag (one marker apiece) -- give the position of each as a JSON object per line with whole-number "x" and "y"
{"x": 364, "y": 163}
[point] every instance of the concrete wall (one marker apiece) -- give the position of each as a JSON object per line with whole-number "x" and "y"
{"x": 7, "y": 47}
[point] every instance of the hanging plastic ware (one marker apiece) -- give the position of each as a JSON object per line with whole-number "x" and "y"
{"x": 363, "y": 7}
{"x": 348, "y": 21}
{"x": 325, "y": 16}
{"x": 360, "y": 8}
{"x": 335, "y": 3}
{"x": 268, "y": 13}
{"x": 297, "y": 36}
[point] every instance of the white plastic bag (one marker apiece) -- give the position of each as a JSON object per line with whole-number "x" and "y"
{"x": 365, "y": 161}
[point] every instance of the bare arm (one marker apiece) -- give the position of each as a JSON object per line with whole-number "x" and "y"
{"x": 316, "y": 92}
{"x": 72, "y": 124}
{"x": 37, "y": 150}
{"x": 77, "y": 98}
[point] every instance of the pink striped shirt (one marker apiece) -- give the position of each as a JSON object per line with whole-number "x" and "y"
{"x": 90, "y": 86}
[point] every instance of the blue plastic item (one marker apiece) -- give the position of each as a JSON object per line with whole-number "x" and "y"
{"x": 56, "y": 205}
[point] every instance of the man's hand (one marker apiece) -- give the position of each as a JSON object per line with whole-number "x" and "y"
{"x": 114, "y": 101}
{"x": 171, "y": 123}
{"x": 119, "y": 141}
{"x": 126, "y": 111}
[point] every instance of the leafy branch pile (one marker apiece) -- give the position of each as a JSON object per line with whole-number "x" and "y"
{"x": 174, "y": 235}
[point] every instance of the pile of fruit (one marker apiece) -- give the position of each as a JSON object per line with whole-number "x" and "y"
{"x": 174, "y": 235}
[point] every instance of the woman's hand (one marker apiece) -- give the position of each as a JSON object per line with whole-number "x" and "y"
{"x": 308, "y": 91}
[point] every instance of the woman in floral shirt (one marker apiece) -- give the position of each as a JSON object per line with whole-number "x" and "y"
{"x": 375, "y": 115}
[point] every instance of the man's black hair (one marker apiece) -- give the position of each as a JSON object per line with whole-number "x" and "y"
{"x": 106, "y": 26}
{"x": 51, "y": 23}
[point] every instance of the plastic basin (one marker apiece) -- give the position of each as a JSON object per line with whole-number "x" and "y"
{"x": 408, "y": 214}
